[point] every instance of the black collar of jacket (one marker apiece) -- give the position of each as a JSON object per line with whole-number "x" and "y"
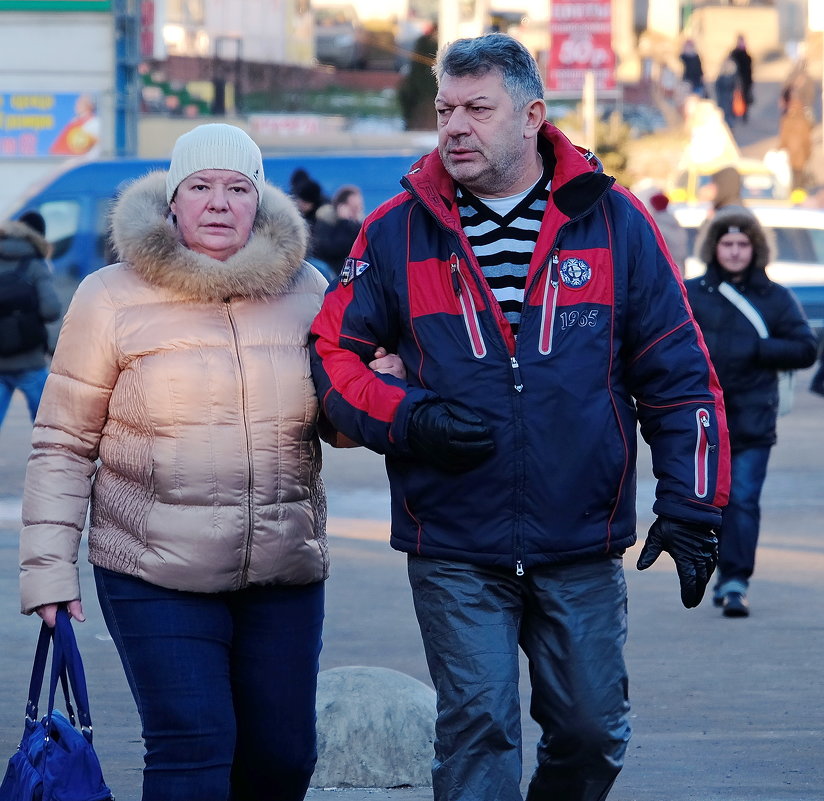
{"x": 582, "y": 191}
{"x": 754, "y": 280}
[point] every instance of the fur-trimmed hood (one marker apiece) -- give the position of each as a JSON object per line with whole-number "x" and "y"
{"x": 144, "y": 236}
{"x": 747, "y": 223}
{"x": 18, "y": 240}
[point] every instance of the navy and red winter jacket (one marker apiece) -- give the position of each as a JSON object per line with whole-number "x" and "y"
{"x": 606, "y": 340}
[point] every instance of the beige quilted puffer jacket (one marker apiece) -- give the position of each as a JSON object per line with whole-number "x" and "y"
{"x": 181, "y": 404}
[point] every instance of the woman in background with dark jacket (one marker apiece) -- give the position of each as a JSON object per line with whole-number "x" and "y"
{"x": 736, "y": 252}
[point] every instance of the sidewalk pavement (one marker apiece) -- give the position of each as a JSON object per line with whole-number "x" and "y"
{"x": 722, "y": 710}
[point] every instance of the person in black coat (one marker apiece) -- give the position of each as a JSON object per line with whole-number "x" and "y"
{"x": 743, "y": 64}
{"x": 736, "y": 251}
{"x": 693, "y": 73}
{"x": 336, "y": 227}
{"x": 24, "y": 260}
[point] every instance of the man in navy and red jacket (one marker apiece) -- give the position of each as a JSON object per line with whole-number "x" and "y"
{"x": 539, "y": 318}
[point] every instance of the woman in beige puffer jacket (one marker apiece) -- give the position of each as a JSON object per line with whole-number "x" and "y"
{"x": 181, "y": 405}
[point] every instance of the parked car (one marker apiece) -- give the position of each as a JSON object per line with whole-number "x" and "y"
{"x": 340, "y": 38}
{"x": 759, "y": 184}
{"x": 798, "y": 262}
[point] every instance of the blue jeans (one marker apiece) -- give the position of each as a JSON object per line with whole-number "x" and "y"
{"x": 741, "y": 520}
{"x": 224, "y": 683}
{"x": 570, "y": 621}
{"x": 29, "y": 382}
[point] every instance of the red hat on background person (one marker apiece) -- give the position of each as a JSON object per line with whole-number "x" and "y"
{"x": 659, "y": 201}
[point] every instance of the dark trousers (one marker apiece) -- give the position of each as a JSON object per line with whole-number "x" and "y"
{"x": 224, "y": 683}
{"x": 570, "y": 621}
{"x": 741, "y": 520}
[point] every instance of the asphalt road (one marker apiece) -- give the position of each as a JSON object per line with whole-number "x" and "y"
{"x": 722, "y": 710}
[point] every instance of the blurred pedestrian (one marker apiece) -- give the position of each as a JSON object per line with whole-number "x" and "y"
{"x": 416, "y": 91}
{"x": 308, "y": 195}
{"x": 693, "y": 72}
{"x": 336, "y": 227}
{"x": 28, "y": 300}
{"x": 540, "y": 321}
{"x": 795, "y": 137}
{"x": 674, "y": 234}
{"x": 310, "y": 199}
{"x": 743, "y": 66}
{"x": 726, "y": 84}
{"x": 180, "y": 405}
{"x": 798, "y": 85}
{"x": 722, "y": 189}
{"x": 753, "y": 328}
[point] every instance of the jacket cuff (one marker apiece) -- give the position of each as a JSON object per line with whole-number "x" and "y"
{"x": 400, "y": 422}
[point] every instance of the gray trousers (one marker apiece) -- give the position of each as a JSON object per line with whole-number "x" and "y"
{"x": 570, "y": 621}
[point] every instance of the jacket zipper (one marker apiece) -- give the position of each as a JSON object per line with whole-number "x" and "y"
{"x": 468, "y": 308}
{"x": 247, "y": 537}
{"x": 702, "y": 452}
{"x": 549, "y": 307}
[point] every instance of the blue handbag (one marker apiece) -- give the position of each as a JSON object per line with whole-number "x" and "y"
{"x": 56, "y": 761}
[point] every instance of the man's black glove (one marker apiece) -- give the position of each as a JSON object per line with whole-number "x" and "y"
{"x": 694, "y": 549}
{"x": 448, "y": 436}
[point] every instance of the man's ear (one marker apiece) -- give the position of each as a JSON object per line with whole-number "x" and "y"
{"x": 536, "y": 115}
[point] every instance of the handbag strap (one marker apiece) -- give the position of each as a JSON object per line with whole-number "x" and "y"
{"x": 745, "y": 307}
{"x": 66, "y": 668}
{"x": 37, "y": 672}
{"x": 66, "y": 660}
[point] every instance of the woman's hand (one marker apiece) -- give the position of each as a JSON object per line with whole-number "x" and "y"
{"x": 385, "y": 362}
{"x": 48, "y": 612}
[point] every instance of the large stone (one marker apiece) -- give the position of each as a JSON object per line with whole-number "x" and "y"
{"x": 376, "y": 728}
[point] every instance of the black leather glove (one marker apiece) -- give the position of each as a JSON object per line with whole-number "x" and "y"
{"x": 448, "y": 436}
{"x": 694, "y": 549}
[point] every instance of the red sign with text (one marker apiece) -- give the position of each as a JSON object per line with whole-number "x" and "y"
{"x": 580, "y": 41}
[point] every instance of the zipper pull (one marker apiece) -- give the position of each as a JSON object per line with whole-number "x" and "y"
{"x": 453, "y": 268}
{"x": 554, "y": 270}
{"x": 519, "y": 568}
{"x": 516, "y": 369}
{"x": 704, "y": 419}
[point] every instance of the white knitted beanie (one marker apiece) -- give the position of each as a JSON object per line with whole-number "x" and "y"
{"x": 215, "y": 146}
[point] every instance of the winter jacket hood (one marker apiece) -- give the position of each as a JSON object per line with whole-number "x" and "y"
{"x": 18, "y": 240}
{"x": 743, "y": 221}
{"x": 145, "y": 237}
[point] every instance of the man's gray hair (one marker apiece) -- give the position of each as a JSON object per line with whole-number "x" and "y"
{"x": 494, "y": 51}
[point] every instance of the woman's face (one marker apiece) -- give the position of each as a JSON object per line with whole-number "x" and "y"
{"x": 734, "y": 252}
{"x": 215, "y": 212}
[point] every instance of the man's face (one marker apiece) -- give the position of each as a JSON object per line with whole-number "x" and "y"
{"x": 484, "y": 142}
{"x": 734, "y": 252}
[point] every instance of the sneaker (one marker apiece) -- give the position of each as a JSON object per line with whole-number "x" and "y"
{"x": 735, "y": 605}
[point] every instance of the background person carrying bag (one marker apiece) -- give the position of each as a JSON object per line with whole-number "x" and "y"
{"x": 55, "y": 761}
{"x": 750, "y": 343}
{"x": 786, "y": 378}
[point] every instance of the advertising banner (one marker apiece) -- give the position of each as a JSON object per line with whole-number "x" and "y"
{"x": 580, "y": 34}
{"x": 48, "y": 124}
